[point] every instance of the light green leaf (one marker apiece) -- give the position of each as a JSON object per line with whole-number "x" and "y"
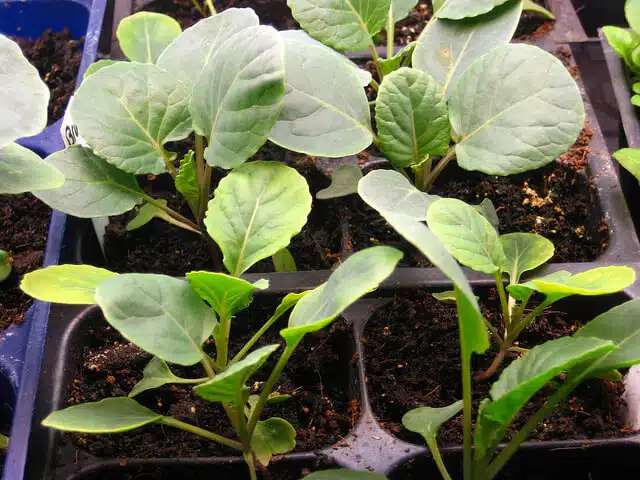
{"x": 92, "y": 187}
{"x": 255, "y": 212}
{"x": 427, "y": 420}
{"x": 271, "y": 437}
{"x": 597, "y": 281}
{"x": 524, "y": 252}
{"x": 473, "y": 332}
{"x": 621, "y": 325}
{"x": 325, "y": 109}
{"x": 111, "y": 415}
{"x": 535, "y": 113}
{"x": 238, "y": 96}
{"x": 401, "y": 8}
{"x": 448, "y": 296}
{"x": 22, "y": 171}
{"x": 5, "y": 265}
{"x": 341, "y": 24}
{"x": 391, "y": 193}
{"x": 156, "y": 374}
{"x": 4, "y": 442}
{"x": 224, "y": 386}
{"x": 144, "y": 35}
{"x": 400, "y": 59}
{"x": 488, "y": 211}
{"x": 531, "y": 6}
{"x": 359, "y": 274}
{"x": 23, "y": 95}
{"x": 629, "y": 158}
{"x": 524, "y": 377}
{"x": 187, "y": 179}
{"x": 457, "y": 9}
{"x": 344, "y": 181}
{"x": 437, "y": 5}
{"x": 522, "y": 290}
{"x": 466, "y": 234}
{"x": 69, "y": 284}
{"x": 635, "y": 100}
{"x": 632, "y": 12}
{"x": 344, "y": 474}
{"x": 227, "y": 295}
{"x": 96, "y": 66}
{"x": 162, "y": 315}
{"x": 127, "y": 111}
{"x": 412, "y": 118}
{"x": 622, "y": 41}
{"x": 283, "y": 261}
{"x": 145, "y": 214}
{"x": 446, "y": 48}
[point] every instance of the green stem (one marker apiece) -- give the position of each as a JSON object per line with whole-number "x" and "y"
{"x": 212, "y": 9}
{"x": 208, "y": 367}
{"x": 439, "y": 168}
{"x": 203, "y": 173}
{"x": 466, "y": 411}
{"x": 241, "y": 422}
{"x": 391, "y": 31}
{"x": 247, "y": 346}
{"x": 248, "y": 458}
{"x": 181, "y": 221}
{"x": 375, "y": 85}
{"x": 222, "y": 340}
{"x": 493, "y": 331}
{"x": 513, "y": 335}
{"x": 421, "y": 173}
{"x": 503, "y": 299}
{"x": 201, "y": 432}
{"x": 198, "y": 7}
{"x": 435, "y": 451}
{"x": 376, "y": 60}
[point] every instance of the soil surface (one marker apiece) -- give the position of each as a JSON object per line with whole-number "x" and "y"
{"x": 57, "y": 57}
{"x": 417, "y": 322}
{"x": 321, "y": 408}
{"x": 24, "y": 224}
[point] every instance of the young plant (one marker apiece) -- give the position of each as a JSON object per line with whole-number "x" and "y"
{"x": 602, "y": 346}
{"x": 172, "y": 319}
{"x": 5, "y": 265}
{"x": 470, "y": 236}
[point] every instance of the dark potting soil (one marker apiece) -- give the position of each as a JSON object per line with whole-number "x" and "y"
{"x": 317, "y": 377}
{"x": 402, "y": 380}
{"x": 57, "y": 58}
{"x": 24, "y": 223}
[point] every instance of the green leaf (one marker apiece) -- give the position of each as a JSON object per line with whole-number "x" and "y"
{"x": 446, "y": 48}
{"x": 629, "y": 158}
{"x": 23, "y": 95}
{"x": 96, "y": 66}
{"x": 162, "y": 315}
{"x": 412, "y": 118}
{"x": 5, "y": 265}
{"x": 345, "y": 474}
{"x": 473, "y": 332}
{"x": 4, "y": 442}
{"x": 192, "y": 51}
{"x": 22, "y": 171}
{"x": 437, "y": 5}
{"x": 524, "y": 377}
{"x": 92, "y": 187}
{"x": 224, "y": 386}
{"x": 255, "y": 212}
{"x": 531, "y": 6}
{"x": 344, "y": 181}
{"x": 635, "y": 100}
{"x": 597, "y": 281}
{"x": 524, "y": 252}
{"x": 69, "y": 284}
{"x": 187, "y": 179}
{"x": 227, "y": 295}
{"x": 400, "y": 59}
{"x": 632, "y": 12}
{"x": 127, "y": 111}
{"x": 427, "y": 420}
{"x": 156, "y": 374}
{"x": 488, "y": 211}
{"x": 325, "y": 110}
{"x": 622, "y": 41}
{"x": 448, "y": 296}
{"x": 535, "y": 112}
{"x": 466, "y": 234}
{"x": 621, "y": 325}
{"x": 144, "y": 35}
{"x": 238, "y": 96}
{"x": 523, "y": 290}
{"x": 391, "y": 193}
{"x": 283, "y": 261}
{"x": 111, "y": 415}
{"x": 358, "y": 275}
{"x": 146, "y": 213}
{"x": 271, "y": 437}
{"x": 457, "y": 9}
{"x": 636, "y": 87}
{"x": 341, "y": 24}
{"x": 401, "y": 8}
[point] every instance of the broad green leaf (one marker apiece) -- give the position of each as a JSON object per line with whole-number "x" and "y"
{"x": 412, "y": 118}
{"x": 156, "y": 374}
{"x": 190, "y": 52}
{"x": 635, "y": 100}
{"x": 92, "y": 187}
{"x": 344, "y": 181}
{"x": 629, "y": 158}
{"x": 446, "y": 48}
{"x": 23, "y": 95}
{"x": 531, "y": 6}
{"x": 22, "y": 171}
{"x": 448, "y": 296}
{"x": 96, "y": 66}
{"x": 69, "y": 284}
{"x": 227, "y": 295}
{"x": 162, "y": 315}
{"x": 345, "y": 474}
{"x": 457, "y": 9}
{"x": 427, "y": 421}
{"x": 524, "y": 377}
{"x": 255, "y": 212}
{"x": 401, "y": 8}
{"x": 325, "y": 110}
{"x": 488, "y": 211}
{"x": 632, "y": 12}
{"x": 341, "y": 24}
{"x": 524, "y": 252}
{"x": 636, "y": 87}
{"x": 144, "y": 35}
{"x": 597, "y": 281}
{"x": 111, "y": 415}
{"x": 400, "y": 59}
{"x": 622, "y": 41}
{"x": 621, "y": 325}
{"x": 238, "y": 96}
{"x": 5, "y": 265}
{"x": 127, "y": 111}
{"x": 522, "y": 290}
{"x": 224, "y": 386}
{"x": 271, "y": 437}
{"x": 466, "y": 234}
{"x": 187, "y": 179}
{"x": 391, "y": 193}
{"x": 535, "y": 113}
{"x": 358, "y": 275}
{"x": 146, "y": 213}
{"x": 283, "y": 261}
{"x": 437, "y": 5}
{"x": 4, "y": 442}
